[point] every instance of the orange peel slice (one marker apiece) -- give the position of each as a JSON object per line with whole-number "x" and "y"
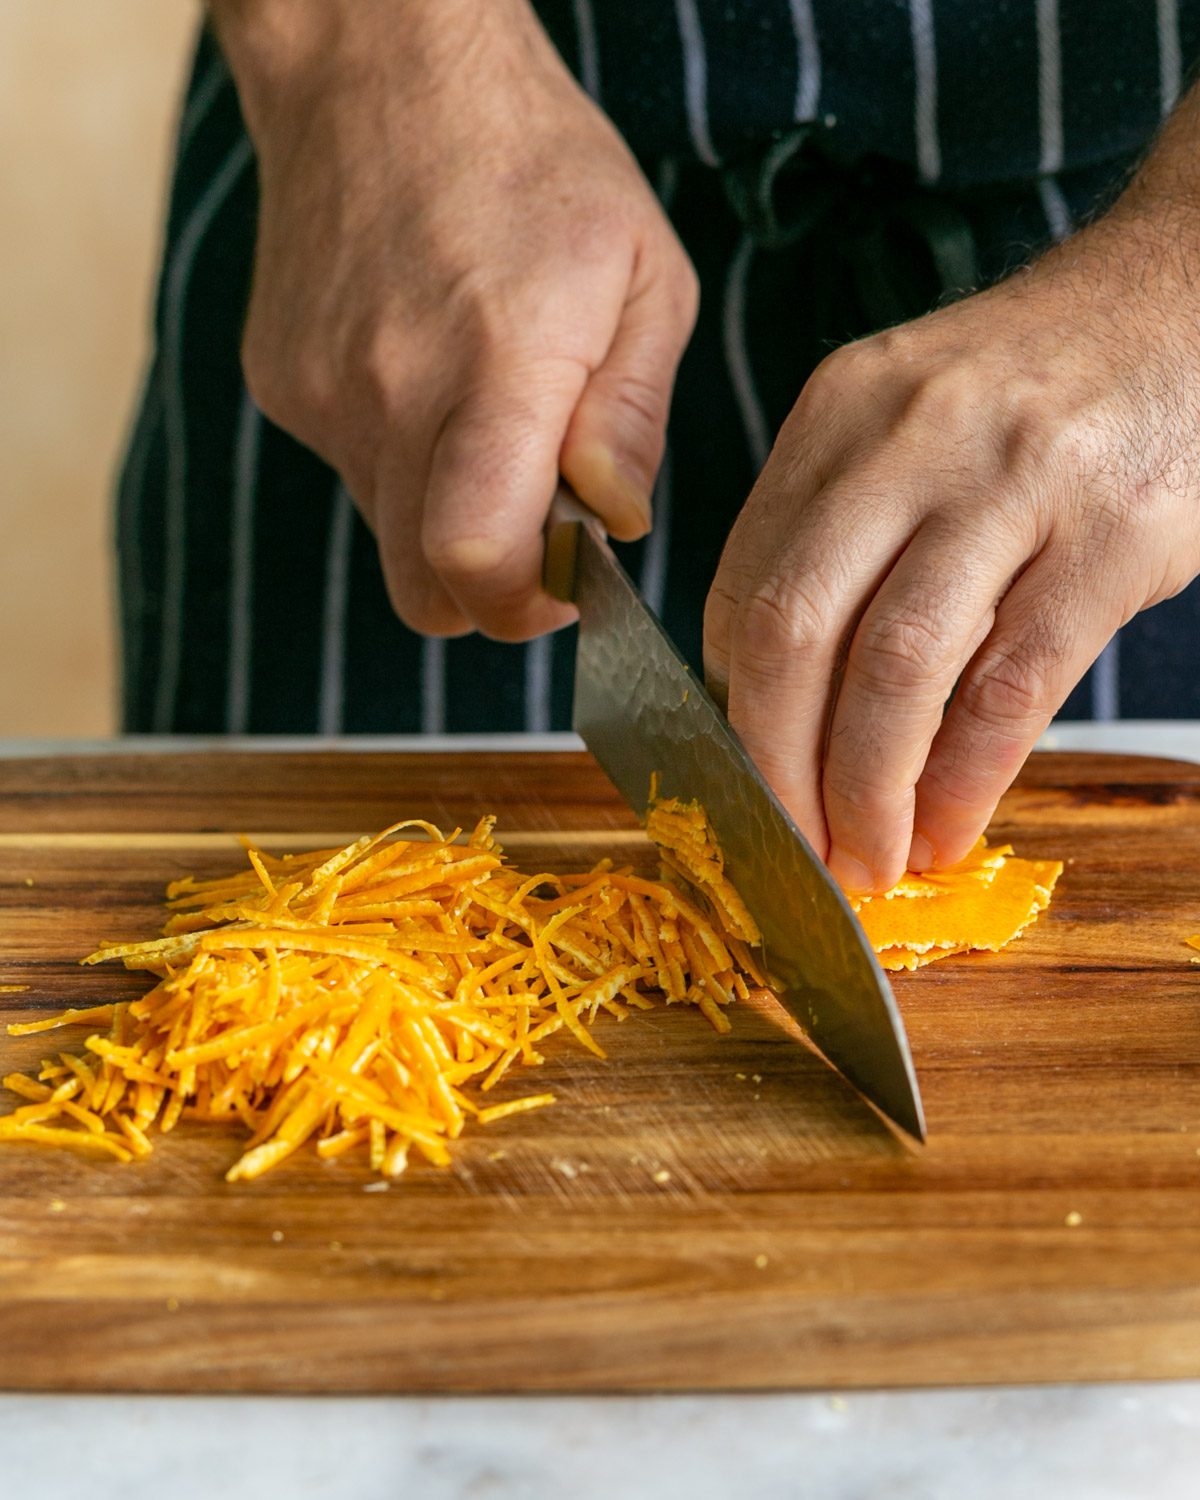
{"x": 980, "y": 905}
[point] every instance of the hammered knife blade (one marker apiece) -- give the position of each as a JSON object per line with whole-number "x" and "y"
{"x": 641, "y": 710}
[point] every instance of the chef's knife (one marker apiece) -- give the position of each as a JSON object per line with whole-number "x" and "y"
{"x": 640, "y": 710}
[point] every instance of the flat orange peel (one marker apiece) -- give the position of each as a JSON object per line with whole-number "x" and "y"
{"x": 981, "y": 906}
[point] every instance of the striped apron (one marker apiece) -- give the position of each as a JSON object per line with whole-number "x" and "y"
{"x": 832, "y": 166}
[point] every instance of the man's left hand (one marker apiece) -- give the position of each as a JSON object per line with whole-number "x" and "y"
{"x": 981, "y": 498}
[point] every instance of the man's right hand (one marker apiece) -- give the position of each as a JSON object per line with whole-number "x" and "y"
{"x": 463, "y": 286}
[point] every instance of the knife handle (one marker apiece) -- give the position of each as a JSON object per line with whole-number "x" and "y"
{"x": 567, "y": 514}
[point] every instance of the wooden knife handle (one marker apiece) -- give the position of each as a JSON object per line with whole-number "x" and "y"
{"x": 567, "y": 514}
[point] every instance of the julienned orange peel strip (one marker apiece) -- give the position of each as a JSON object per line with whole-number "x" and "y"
{"x": 355, "y": 995}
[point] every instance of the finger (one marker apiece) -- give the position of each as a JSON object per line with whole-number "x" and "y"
{"x": 790, "y": 629}
{"x": 1051, "y": 626}
{"x": 614, "y": 441}
{"x": 416, "y": 593}
{"x": 783, "y": 502}
{"x": 814, "y": 447}
{"x": 492, "y": 477}
{"x": 917, "y": 633}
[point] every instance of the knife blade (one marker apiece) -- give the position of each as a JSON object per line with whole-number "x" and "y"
{"x": 640, "y": 709}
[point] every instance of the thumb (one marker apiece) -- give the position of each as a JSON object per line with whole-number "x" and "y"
{"x": 614, "y": 441}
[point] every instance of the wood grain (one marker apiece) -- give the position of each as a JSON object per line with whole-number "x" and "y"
{"x": 696, "y": 1213}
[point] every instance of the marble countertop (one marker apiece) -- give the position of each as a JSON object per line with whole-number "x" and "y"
{"x": 1121, "y": 1442}
{"x": 1103, "y": 1442}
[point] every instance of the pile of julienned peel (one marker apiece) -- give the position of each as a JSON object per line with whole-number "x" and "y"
{"x": 982, "y": 903}
{"x": 370, "y": 998}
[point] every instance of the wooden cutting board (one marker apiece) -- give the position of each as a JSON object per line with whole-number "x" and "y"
{"x": 697, "y": 1212}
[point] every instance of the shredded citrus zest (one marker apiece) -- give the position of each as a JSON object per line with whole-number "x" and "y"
{"x": 353, "y": 997}
{"x": 688, "y": 847}
{"x": 357, "y": 997}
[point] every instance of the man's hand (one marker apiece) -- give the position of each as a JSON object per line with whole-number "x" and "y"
{"x": 980, "y": 497}
{"x": 463, "y": 285}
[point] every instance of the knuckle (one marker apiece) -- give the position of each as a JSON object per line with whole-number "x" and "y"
{"x": 513, "y": 626}
{"x": 1011, "y": 688}
{"x": 945, "y": 401}
{"x": 260, "y": 377}
{"x": 685, "y": 294}
{"x": 1029, "y": 439}
{"x": 384, "y": 367}
{"x": 848, "y": 363}
{"x": 424, "y": 609}
{"x": 858, "y": 791}
{"x": 720, "y": 611}
{"x": 299, "y": 394}
{"x": 837, "y": 385}
{"x": 895, "y": 654}
{"x": 483, "y": 314}
{"x": 1042, "y": 445}
{"x": 428, "y": 620}
{"x": 960, "y": 786}
{"x": 614, "y": 220}
{"x": 641, "y": 400}
{"x": 777, "y": 622}
{"x": 828, "y": 383}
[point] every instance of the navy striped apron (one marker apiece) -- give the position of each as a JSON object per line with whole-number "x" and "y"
{"x": 832, "y": 166}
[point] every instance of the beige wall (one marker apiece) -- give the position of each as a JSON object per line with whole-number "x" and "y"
{"x": 88, "y": 94}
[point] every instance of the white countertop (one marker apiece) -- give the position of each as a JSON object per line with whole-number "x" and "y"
{"x": 1120, "y": 1442}
{"x": 1169, "y": 737}
{"x": 1105, "y": 1442}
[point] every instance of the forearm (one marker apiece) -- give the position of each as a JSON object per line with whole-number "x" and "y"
{"x": 1150, "y": 238}
{"x": 284, "y": 53}
{"x": 463, "y": 287}
{"x": 1170, "y": 174}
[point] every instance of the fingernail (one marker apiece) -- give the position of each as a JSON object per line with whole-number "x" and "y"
{"x": 920, "y": 853}
{"x": 851, "y": 874}
{"x": 601, "y": 483}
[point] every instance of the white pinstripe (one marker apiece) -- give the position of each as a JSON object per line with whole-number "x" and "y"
{"x": 433, "y": 685}
{"x": 1050, "y": 121}
{"x": 241, "y": 566}
{"x": 539, "y": 658}
{"x": 695, "y": 81}
{"x": 202, "y": 100}
{"x": 136, "y": 461}
{"x": 653, "y": 581}
{"x": 589, "y": 50}
{"x": 178, "y": 274}
{"x": 1055, "y": 207}
{"x": 925, "y": 128}
{"x": 333, "y": 616}
{"x": 657, "y": 551}
{"x": 808, "y": 56}
{"x": 668, "y": 181}
{"x": 194, "y": 114}
{"x": 737, "y": 355}
{"x": 1106, "y": 682}
{"x": 1170, "y": 66}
